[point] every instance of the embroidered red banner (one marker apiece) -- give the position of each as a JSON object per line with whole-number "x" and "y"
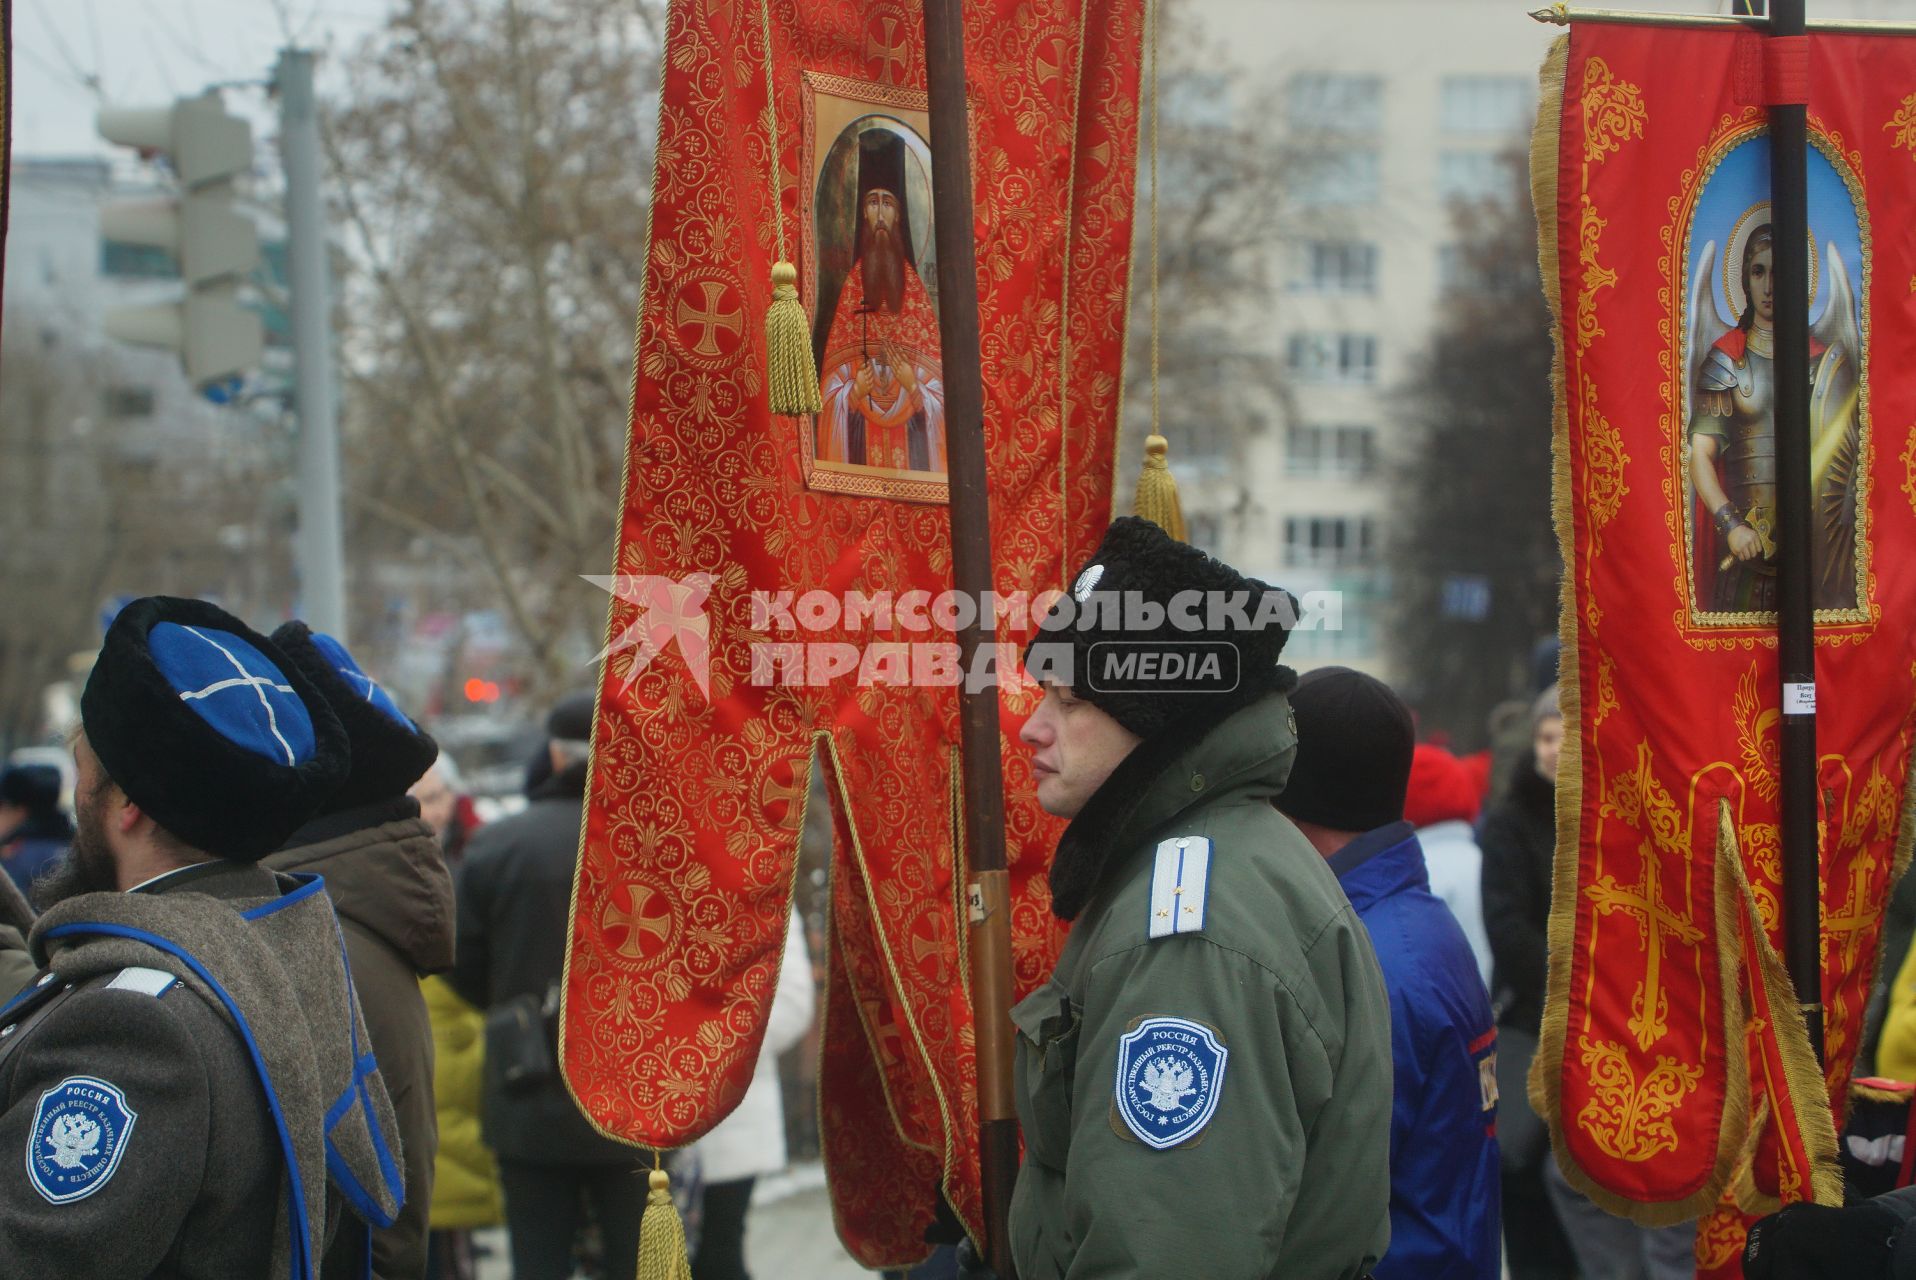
{"x": 1675, "y": 1069}
{"x": 777, "y": 581}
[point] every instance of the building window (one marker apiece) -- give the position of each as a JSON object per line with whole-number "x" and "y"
{"x": 1333, "y": 357}
{"x": 1330, "y": 266}
{"x": 1198, "y": 100}
{"x": 1460, "y": 271}
{"x": 1337, "y": 451}
{"x": 1473, "y": 176}
{"x": 127, "y": 402}
{"x": 1485, "y": 104}
{"x": 1329, "y": 542}
{"x": 137, "y": 261}
{"x": 1337, "y": 103}
{"x": 1339, "y": 177}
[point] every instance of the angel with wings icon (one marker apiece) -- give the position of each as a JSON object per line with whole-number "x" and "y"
{"x": 1731, "y": 375}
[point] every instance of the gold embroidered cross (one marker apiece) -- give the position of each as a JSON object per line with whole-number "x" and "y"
{"x": 710, "y": 321}
{"x": 649, "y": 913}
{"x": 1643, "y": 902}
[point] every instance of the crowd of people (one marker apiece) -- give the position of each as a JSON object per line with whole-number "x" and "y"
{"x": 279, "y": 1003}
{"x": 250, "y": 948}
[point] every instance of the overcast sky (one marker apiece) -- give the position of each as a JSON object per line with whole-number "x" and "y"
{"x": 144, "y": 52}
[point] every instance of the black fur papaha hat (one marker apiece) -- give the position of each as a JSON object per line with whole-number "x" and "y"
{"x": 1157, "y": 634}
{"x": 210, "y": 728}
{"x": 390, "y": 752}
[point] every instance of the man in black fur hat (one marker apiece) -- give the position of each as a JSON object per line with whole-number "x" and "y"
{"x": 186, "y": 1088}
{"x": 388, "y": 882}
{"x": 1207, "y": 1075}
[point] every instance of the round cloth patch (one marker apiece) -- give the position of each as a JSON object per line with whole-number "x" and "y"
{"x": 235, "y": 688}
{"x": 362, "y": 685}
{"x": 1170, "y": 1075}
{"x": 80, "y": 1131}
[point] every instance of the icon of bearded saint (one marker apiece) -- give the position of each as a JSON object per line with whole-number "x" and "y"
{"x": 876, "y": 343}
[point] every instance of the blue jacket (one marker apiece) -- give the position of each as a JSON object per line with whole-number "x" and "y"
{"x": 1444, "y": 1189}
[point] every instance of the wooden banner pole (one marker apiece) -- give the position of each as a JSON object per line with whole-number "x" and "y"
{"x": 988, "y": 890}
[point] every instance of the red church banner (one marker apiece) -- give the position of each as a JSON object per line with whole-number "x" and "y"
{"x": 1675, "y": 1068}
{"x": 782, "y": 584}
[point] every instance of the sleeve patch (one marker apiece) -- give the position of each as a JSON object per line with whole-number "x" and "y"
{"x": 1178, "y": 884}
{"x": 80, "y": 1131}
{"x": 1170, "y": 1076}
{"x": 152, "y": 982}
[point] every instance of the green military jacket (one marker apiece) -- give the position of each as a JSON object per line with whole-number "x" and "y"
{"x": 1213, "y": 1100}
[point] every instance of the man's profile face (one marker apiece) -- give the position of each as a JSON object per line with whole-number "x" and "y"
{"x": 1074, "y": 747}
{"x": 881, "y": 210}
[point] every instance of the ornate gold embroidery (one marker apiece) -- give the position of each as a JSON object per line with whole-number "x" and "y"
{"x": 1613, "y": 113}
{"x": 1603, "y": 464}
{"x": 1640, "y": 800}
{"x": 1629, "y": 1119}
{"x": 1904, "y": 123}
{"x": 1719, "y": 1240}
{"x": 1606, "y": 690}
{"x": 1756, "y": 736}
{"x": 1909, "y": 453}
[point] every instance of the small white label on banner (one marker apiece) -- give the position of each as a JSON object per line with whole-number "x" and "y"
{"x": 1799, "y": 699}
{"x": 975, "y": 902}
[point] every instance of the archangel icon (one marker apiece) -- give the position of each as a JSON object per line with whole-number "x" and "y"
{"x": 1732, "y": 433}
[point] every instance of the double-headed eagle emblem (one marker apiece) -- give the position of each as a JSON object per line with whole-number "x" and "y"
{"x": 1169, "y": 1082}
{"x": 74, "y": 1139}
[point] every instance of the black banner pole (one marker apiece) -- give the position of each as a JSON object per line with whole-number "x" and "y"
{"x": 1796, "y": 636}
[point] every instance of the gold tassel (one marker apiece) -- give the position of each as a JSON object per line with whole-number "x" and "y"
{"x": 662, "y": 1235}
{"x": 788, "y": 348}
{"x": 1157, "y": 491}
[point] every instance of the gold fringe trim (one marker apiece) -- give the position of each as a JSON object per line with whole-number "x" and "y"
{"x": 1801, "y": 1076}
{"x": 1546, "y": 1072}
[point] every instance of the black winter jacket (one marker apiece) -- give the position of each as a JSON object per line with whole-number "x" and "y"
{"x": 1519, "y": 843}
{"x": 514, "y": 895}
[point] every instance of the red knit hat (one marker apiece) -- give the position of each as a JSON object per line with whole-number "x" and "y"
{"x": 1441, "y": 788}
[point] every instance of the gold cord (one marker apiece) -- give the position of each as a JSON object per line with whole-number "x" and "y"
{"x": 771, "y": 129}
{"x": 791, "y": 380}
{"x": 1157, "y": 10}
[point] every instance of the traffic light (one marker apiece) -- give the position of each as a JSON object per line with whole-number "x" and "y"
{"x": 217, "y": 339}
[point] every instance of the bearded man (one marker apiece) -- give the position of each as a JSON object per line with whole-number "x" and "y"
{"x": 186, "y": 1089}
{"x": 876, "y": 341}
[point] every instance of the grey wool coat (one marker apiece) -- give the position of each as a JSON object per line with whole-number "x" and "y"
{"x": 165, "y": 1086}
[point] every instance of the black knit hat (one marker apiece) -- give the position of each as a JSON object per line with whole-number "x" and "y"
{"x": 210, "y": 728}
{"x": 33, "y": 787}
{"x": 1355, "y": 740}
{"x": 389, "y": 751}
{"x": 1157, "y": 634}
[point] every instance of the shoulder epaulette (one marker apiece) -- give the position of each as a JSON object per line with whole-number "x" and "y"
{"x": 1178, "y": 884}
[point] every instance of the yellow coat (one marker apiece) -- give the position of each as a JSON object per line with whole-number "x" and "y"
{"x": 1896, "y": 1053}
{"x": 465, "y": 1189}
